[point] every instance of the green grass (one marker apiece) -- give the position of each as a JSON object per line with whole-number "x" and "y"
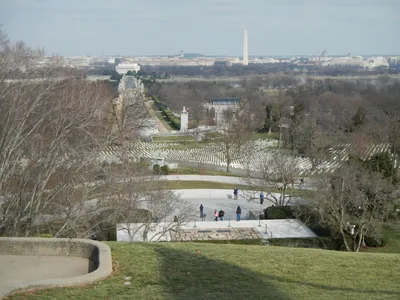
{"x": 178, "y": 185}
{"x": 173, "y": 138}
{"x": 265, "y": 136}
{"x": 212, "y": 135}
{"x": 196, "y": 171}
{"x": 160, "y": 115}
{"x": 180, "y": 271}
{"x": 192, "y": 184}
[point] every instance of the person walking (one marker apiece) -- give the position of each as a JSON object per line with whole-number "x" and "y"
{"x": 235, "y": 193}
{"x": 261, "y": 198}
{"x": 216, "y": 215}
{"x": 238, "y": 213}
{"x": 201, "y": 211}
{"x": 221, "y": 215}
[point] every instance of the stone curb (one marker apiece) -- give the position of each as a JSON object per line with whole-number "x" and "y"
{"x": 98, "y": 253}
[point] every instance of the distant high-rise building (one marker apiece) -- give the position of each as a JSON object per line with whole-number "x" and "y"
{"x": 245, "y": 53}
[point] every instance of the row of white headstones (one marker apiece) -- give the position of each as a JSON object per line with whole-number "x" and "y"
{"x": 256, "y": 154}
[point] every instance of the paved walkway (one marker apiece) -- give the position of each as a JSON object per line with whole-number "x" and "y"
{"x": 229, "y": 179}
{"x": 18, "y": 269}
{"x": 221, "y": 179}
{"x": 212, "y": 199}
{"x": 220, "y": 199}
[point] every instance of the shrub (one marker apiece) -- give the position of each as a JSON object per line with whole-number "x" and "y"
{"x": 374, "y": 241}
{"x": 376, "y": 238}
{"x": 326, "y": 243}
{"x": 106, "y": 231}
{"x": 280, "y": 212}
{"x": 311, "y": 218}
{"x": 156, "y": 169}
{"x": 165, "y": 170}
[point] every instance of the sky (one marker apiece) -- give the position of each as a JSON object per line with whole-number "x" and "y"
{"x": 210, "y": 27}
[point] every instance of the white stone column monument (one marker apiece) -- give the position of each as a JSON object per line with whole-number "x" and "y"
{"x": 184, "y": 120}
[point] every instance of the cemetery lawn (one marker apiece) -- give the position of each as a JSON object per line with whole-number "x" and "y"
{"x": 180, "y": 271}
{"x": 189, "y": 184}
{"x": 173, "y": 138}
{"x": 265, "y": 136}
{"x": 196, "y": 171}
{"x": 183, "y": 185}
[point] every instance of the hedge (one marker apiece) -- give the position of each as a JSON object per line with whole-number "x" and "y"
{"x": 175, "y": 121}
{"x": 317, "y": 242}
{"x": 280, "y": 212}
{"x": 257, "y": 242}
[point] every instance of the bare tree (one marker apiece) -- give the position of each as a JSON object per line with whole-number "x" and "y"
{"x": 352, "y": 200}
{"x": 278, "y": 172}
{"x": 51, "y": 132}
{"x": 51, "y": 127}
{"x": 236, "y": 135}
{"x": 142, "y": 203}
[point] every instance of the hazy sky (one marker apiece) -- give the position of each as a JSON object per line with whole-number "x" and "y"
{"x": 212, "y": 27}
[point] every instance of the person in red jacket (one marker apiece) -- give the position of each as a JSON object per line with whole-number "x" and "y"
{"x": 216, "y": 215}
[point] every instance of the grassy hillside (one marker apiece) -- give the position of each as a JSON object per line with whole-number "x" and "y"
{"x": 179, "y": 271}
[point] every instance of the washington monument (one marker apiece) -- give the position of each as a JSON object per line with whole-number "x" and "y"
{"x": 245, "y": 53}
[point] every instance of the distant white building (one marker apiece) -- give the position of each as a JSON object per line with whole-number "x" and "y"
{"x": 375, "y": 62}
{"x": 124, "y": 68}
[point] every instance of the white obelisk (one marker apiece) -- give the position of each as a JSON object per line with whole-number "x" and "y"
{"x": 245, "y": 53}
{"x": 184, "y": 120}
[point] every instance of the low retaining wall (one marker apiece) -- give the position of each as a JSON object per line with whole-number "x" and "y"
{"x": 98, "y": 254}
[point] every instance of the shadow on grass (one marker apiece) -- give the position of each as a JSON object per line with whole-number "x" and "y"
{"x": 188, "y": 275}
{"x": 192, "y": 276}
{"x": 333, "y": 288}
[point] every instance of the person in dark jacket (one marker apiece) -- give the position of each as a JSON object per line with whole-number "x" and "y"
{"x": 261, "y": 198}
{"x": 201, "y": 210}
{"x": 238, "y": 213}
{"x": 221, "y": 215}
{"x": 235, "y": 193}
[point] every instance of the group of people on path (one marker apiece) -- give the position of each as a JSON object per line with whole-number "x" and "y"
{"x": 236, "y": 193}
{"x": 219, "y": 214}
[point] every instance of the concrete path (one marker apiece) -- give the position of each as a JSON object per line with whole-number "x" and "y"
{"x": 220, "y": 199}
{"x": 221, "y": 179}
{"x": 18, "y": 269}
{"x": 230, "y": 179}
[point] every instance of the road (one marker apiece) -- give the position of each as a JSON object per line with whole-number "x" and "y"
{"x": 230, "y": 180}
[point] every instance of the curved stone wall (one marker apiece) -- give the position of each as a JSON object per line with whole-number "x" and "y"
{"x": 97, "y": 253}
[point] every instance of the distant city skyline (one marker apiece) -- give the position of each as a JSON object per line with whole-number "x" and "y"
{"x": 209, "y": 27}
